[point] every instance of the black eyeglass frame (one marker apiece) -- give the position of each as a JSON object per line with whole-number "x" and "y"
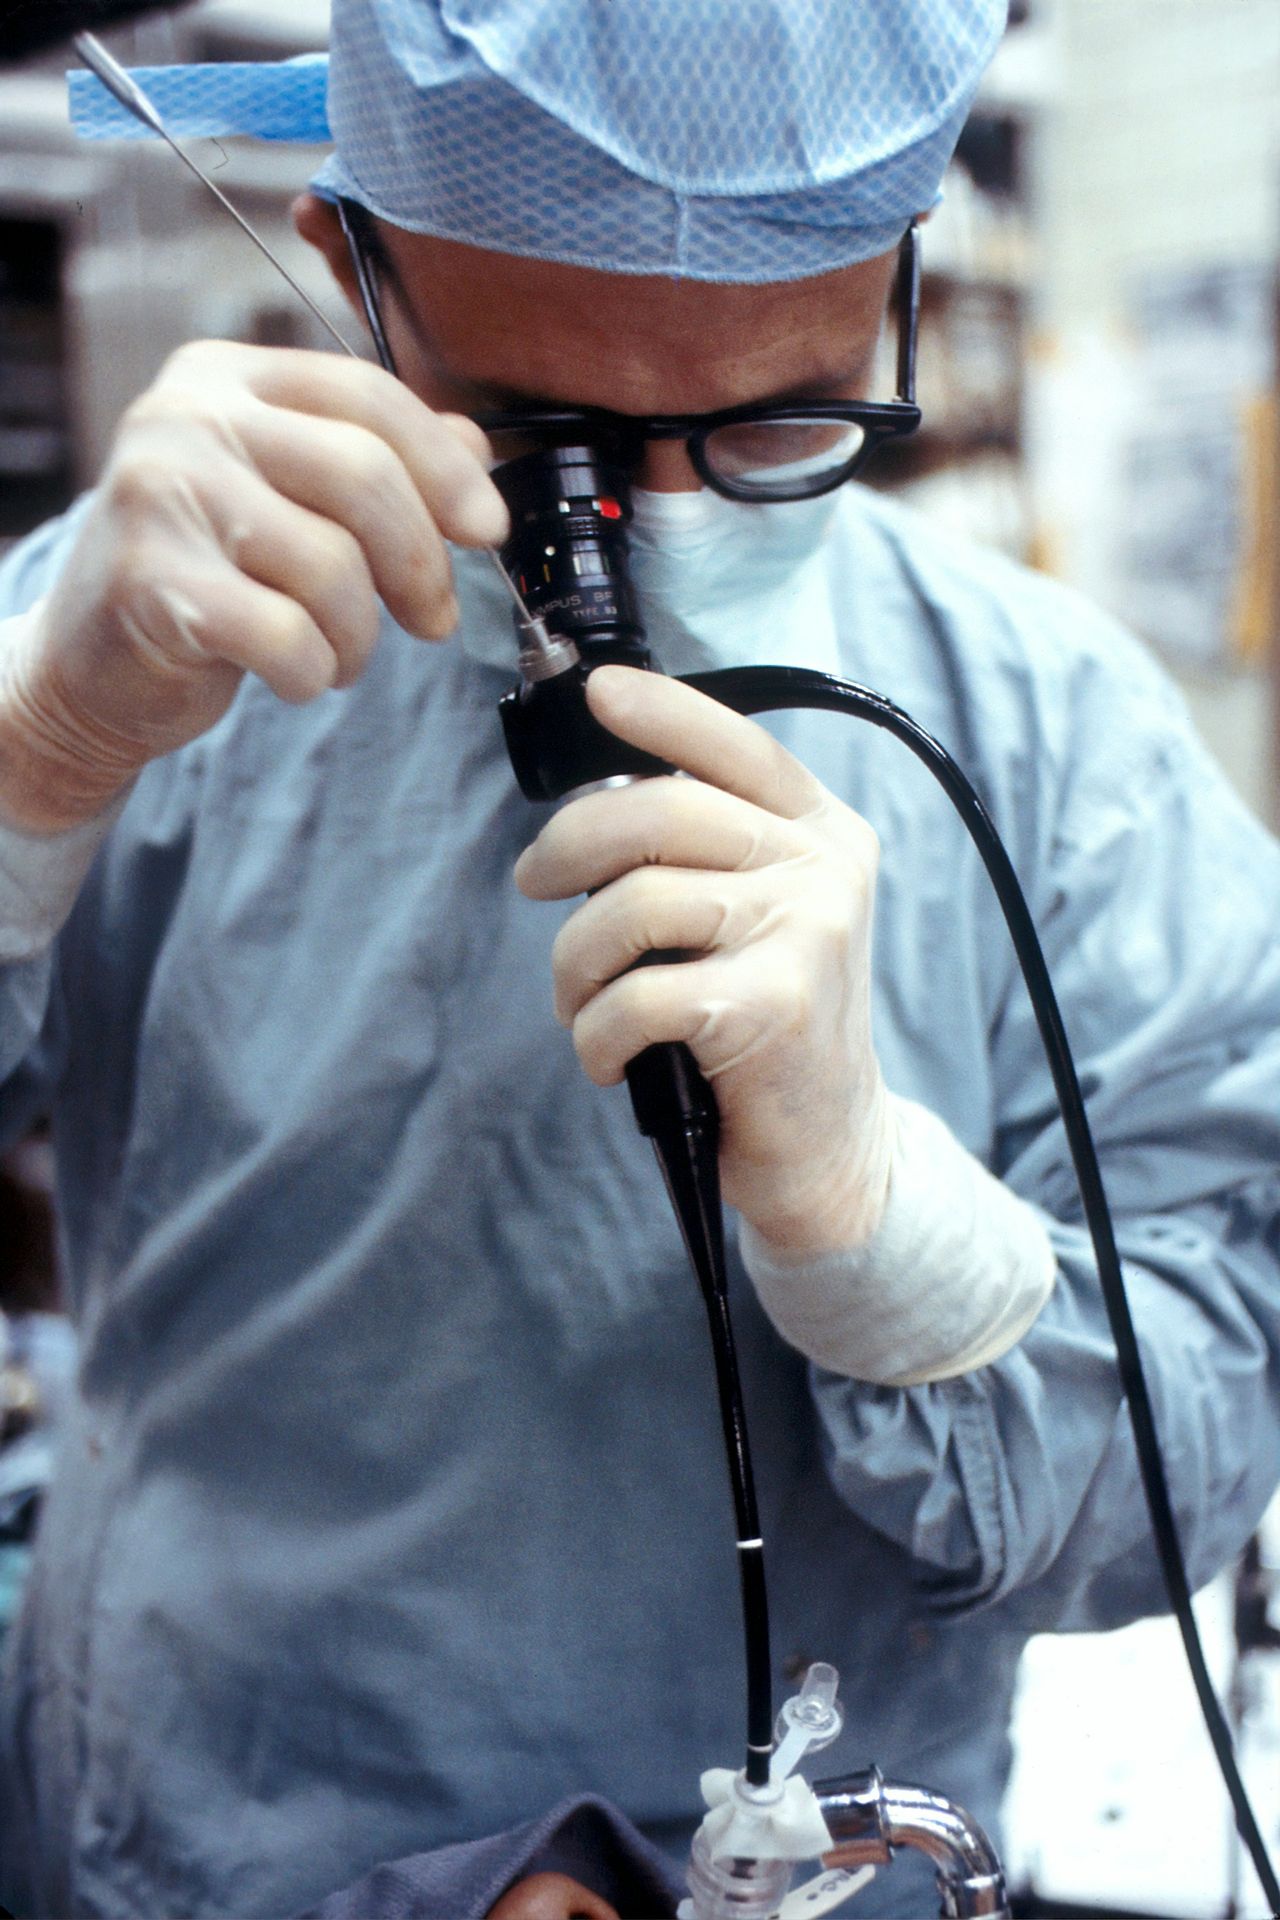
{"x": 625, "y": 434}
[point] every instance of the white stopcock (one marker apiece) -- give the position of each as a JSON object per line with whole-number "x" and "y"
{"x": 751, "y": 1839}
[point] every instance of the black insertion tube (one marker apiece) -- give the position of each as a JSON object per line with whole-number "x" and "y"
{"x": 676, "y": 1109}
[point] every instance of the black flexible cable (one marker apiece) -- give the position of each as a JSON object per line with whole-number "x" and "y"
{"x": 750, "y": 690}
{"x": 677, "y": 1110}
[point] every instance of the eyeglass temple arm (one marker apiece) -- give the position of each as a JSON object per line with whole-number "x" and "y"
{"x": 365, "y": 282}
{"x": 907, "y": 303}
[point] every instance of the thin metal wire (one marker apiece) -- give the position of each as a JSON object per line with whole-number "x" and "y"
{"x": 124, "y": 88}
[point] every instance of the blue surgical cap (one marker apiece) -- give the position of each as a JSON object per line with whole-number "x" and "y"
{"x": 729, "y": 140}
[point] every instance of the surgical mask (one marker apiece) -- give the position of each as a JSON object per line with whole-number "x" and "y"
{"x": 721, "y": 584}
{"x": 726, "y": 584}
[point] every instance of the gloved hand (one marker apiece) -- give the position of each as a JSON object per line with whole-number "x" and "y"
{"x": 878, "y": 1245}
{"x": 767, "y": 881}
{"x": 256, "y": 505}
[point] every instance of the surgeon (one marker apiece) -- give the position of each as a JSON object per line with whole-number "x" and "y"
{"x": 392, "y": 1509}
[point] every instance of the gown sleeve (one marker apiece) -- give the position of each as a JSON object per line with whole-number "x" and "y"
{"x": 1157, "y": 898}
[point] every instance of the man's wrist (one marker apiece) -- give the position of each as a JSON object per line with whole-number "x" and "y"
{"x": 956, "y": 1273}
{"x": 836, "y": 1208}
{"x": 40, "y": 876}
{"x": 50, "y": 781}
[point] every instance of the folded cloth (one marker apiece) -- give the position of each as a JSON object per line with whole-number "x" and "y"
{"x": 585, "y": 1838}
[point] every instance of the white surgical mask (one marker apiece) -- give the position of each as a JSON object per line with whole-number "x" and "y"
{"x": 720, "y": 584}
{"x": 726, "y": 584}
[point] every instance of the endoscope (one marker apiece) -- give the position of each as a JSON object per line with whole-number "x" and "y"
{"x": 567, "y": 554}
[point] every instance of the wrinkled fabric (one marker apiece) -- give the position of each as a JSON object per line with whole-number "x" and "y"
{"x": 392, "y": 1506}
{"x": 718, "y": 140}
{"x": 584, "y": 1838}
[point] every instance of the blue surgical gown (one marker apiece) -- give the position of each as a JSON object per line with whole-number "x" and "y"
{"x": 392, "y": 1506}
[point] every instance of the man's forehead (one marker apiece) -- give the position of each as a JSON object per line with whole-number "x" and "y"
{"x": 538, "y": 331}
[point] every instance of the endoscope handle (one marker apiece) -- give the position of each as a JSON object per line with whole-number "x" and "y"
{"x": 668, "y": 1088}
{"x": 557, "y": 746}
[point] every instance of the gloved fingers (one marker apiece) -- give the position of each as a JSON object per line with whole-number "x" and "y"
{"x": 354, "y": 479}
{"x": 708, "y": 740}
{"x": 309, "y": 559}
{"x": 445, "y": 459}
{"x": 703, "y": 1002}
{"x": 664, "y": 910}
{"x": 220, "y": 615}
{"x": 666, "y": 822}
{"x": 246, "y": 478}
{"x": 197, "y": 555}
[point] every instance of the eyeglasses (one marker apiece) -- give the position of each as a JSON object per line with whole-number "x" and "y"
{"x": 771, "y": 452}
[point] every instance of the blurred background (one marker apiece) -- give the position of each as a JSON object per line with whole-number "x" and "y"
{"x": 1098, "y": 369}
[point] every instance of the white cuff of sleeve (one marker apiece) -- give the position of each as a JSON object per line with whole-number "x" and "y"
{"x": 956, "y": 1273}
{"x": 40, "y": 876}
{"x": 41, "y": 873}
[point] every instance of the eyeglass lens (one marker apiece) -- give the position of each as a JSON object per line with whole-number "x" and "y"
{"x": 772, "y": 453}
{"x": 767, "y": 454}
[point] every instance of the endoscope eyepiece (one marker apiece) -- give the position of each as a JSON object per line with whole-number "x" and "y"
{"x": 567, "y": 550}
{"x": 567, "y": 557}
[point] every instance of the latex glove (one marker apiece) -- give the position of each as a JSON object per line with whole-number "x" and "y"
{"x": 767, "y": 881}
{"x": 257, "y": 504}
{"x": 41, "y": 874}
{"x": 956, "y": 1273}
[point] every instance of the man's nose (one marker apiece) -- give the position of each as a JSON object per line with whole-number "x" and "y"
{"x": 665, "y": 467}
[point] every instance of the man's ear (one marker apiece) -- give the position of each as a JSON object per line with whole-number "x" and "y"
{"x": 317, "y": 221}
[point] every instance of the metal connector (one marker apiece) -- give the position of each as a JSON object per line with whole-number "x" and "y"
{"x": 871, "y": 1818}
